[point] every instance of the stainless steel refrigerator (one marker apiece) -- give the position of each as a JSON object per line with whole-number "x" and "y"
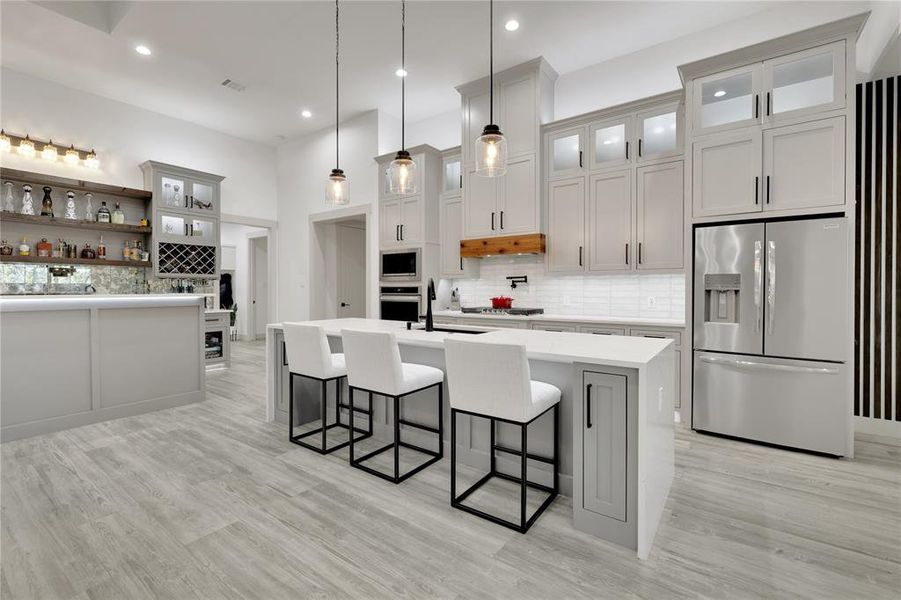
{"x": 771, "y": 333}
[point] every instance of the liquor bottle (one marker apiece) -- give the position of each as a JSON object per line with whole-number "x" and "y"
{"x": 44, "y": 248}
{"x": 5, "y": 249}
{"x": 126, "y": 251}
{"x": 103, "y": 214}
{"x": 47, "y": 202}
{"x": 9, "y": 204}
{"x": 118, "y": 217}
{"x": 89, "y": 207}
{"x": 24, "y": 248}
{"x": 70, "y": 205}
{"x": 88, "y": 252}
{"x": 27, "y": 200}
{"x": 101, "y": 249}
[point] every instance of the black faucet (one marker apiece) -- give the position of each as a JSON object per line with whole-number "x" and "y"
{"x": 430, "y": 295}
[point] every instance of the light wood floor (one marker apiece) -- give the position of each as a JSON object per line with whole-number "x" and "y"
{"x": 208, "y": 501}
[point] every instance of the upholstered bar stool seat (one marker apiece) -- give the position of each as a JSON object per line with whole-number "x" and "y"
{"x": 309, "y": 356}
{"x": 493, "y": 381}
{"x": 374, "y": 366}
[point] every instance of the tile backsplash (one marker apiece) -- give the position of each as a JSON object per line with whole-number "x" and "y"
{"x": 22, "y": 278}
{"x": 626, "y": 295}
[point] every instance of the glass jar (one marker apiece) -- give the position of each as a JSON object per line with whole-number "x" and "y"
{"x": 9, "y": 203}
{"x": 27, "y": 200}
{"x": 89, "y": 207}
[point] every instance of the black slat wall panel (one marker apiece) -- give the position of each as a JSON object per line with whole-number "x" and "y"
{"x": 877, "y": 306}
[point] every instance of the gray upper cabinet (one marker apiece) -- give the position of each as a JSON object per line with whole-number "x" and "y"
{"x": 475, "y": 117}
{"x": 520, "y": 211}
{"x": 726, "y": 172}
{"x": 610, "y": 221}
{"x": 659, "y": 132}
{"x": 604, "y": 449}
{"x": 451, "y": 175}
{"x": 609, "y": 142}
{"x": 659, "y": 210}
{"x": 566, "y": 225}
{"x": 517, "y": 113}
{"x": 804, "y": 82}
{"x": 565, "y": 152}
{"x": 480, "y": 205}
{"x": 727, "y": 100}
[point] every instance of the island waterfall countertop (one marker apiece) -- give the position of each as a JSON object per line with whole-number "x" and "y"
{"x": 616, "y": 439}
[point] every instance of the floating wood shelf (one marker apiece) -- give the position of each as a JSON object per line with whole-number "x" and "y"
{"x": 73, "y": 184}
{"x": 531, "y": 243}
{"x": 97, "y": 262}
{"x": 79, "y": 223}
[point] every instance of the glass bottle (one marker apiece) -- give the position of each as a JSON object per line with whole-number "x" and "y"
{"x": 70, "y": 205}
{"x": 101, "y": 249}
{"x": 47, "y": 202}
{"x": 9, "y": 204}
{"x": 44, "y": 248}
{"x": 126, "y": 251}
{"x": 5, "y": 249}
{"x": 103, "y": 214}
{"x": 24, "y": 248}
{"x": 27, "y": 200}
{"x": 176, "y": 196}
{"x": 89, "y": 207}
{"x": 88, "y": 252}
{"x": 118, "y": 217}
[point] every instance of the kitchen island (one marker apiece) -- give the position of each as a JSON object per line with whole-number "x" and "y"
{"x": 616, "y": 417}
{"x": 73, "y": 360}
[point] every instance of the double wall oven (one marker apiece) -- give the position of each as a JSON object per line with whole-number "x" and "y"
{"x": 400, "y": 272}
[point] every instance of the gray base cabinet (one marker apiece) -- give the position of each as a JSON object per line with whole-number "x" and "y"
{"x": 606, "y": 462}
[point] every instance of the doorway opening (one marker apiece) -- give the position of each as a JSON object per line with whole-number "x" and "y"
{"x": 339, "y": 282}
{"x": 247, "y": 271}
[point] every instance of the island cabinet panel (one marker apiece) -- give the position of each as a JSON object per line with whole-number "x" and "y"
{"x": 605, "y": 445}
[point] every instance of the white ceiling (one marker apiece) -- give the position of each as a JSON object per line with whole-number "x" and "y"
{"x": 284, "y": 51}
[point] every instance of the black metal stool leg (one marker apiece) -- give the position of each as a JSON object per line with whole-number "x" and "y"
{"x": 441, "y": 420}
{"x": 493, "y": 468}
{"x": 453, "y": 449}
{"x": 523, "y": 484}
{"x": 323, "y": 408}
{"x": 350, "y": 393}
{"x": 290, "y": 407}
{"x": 397, "y": 437}
{"x": 556, "y": 453}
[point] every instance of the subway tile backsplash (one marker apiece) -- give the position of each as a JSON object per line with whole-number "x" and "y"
{"x": 626, "y": 295}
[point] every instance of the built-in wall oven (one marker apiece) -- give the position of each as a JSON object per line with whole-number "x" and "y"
{"x": 400, "y": 265}
{"x": 400, "y": 303}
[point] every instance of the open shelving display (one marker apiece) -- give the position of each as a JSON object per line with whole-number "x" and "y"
{"x": 96, "y": 262}
{"x": 80, "y": 223}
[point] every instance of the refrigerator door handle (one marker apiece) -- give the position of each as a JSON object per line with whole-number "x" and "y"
{"x": 750, "y": 364}
{"x": 771, "y": 286}
{"x": 758, "y": 284}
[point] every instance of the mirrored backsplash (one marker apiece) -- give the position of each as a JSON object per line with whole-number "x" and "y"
{"x": 28, "y": 278}
{"x": 626, "y": 296}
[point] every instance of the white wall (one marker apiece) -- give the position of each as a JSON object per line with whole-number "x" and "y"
{"x": 441, "y": 131}
{"x": 303, "y": 168}
{"x": 233, "y": 234}
{"x": 125, "y": 136}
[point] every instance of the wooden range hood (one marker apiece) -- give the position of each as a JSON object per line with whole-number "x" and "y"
{"x": 507, "y": 245}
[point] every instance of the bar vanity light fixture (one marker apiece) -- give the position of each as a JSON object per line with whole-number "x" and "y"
{"x": 402, "y": 171}
{"x": 25, "y": 146}
{"x": 336, "y": 190}
{"x": 491, "y": 146}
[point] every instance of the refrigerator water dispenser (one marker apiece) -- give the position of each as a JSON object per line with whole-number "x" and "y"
{"x": 721, "y": 297}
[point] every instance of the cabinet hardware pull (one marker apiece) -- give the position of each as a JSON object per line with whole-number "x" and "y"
{"x": 580, "y": 256}
{"x": 588, "y": 406}
{"x": 461, "y": 263}
{"x": 580, "y": 159}
{"x": 627, "y": 150}
{"x": 639, "y": 147}
{"x": 461, "y": 182}
{"x": 767, "y": 189}
{"x": 767, "y": 104}
{"x": 284, "y": 355}
{"x": 397, "y": 233}
{"x": 627, "y": 252}
{"x": 756, "y": 190}
{"x": 756, "y": 106}
{"x": 639, "y": 252}
{"x": 401, "y": 232}
{"x": 502, "y": 219}
{"x": 492, "y": 221}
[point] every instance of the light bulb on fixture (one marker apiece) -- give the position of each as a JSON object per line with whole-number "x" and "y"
{"x": 491, "y": 146}
{"x": 49, "y": 152}
{"x": 5, "y": 143}
{"x": 26, "y": 148}
{"x": 511, "y": 25}
{"x": 402, "y": 176}
{"x": 719, "y": 93}
{"x": 306, "y": 114}
{"x": 401, "y": 72}
{"x": 90, "y": 161}
{"x": 71, "y": 157}
{"x": 336, "y": 190}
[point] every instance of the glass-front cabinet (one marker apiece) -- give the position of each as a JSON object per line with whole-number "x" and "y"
{"x": 565, "y": 152}
{"x": 805, "y": 81}
{"x": 452, "y": 176}
{"x": 609, "y": 143}
{"x": 185, "y": 228}
{"x": 659, "y": 132}
{"x": 727, "y": 100}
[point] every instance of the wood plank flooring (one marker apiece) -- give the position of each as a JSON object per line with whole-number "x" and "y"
{"x": 209, "y": 501}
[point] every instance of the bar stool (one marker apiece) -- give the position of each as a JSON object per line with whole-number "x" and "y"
{"x": 493, "y": 381}
{"x": 309, "y": 356}
{"x": 374, "y": 366}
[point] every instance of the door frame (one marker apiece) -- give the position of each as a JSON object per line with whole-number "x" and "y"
{"x": 339, "y": 226}
{"x": 271, "y": 235}
{"x": 252, "y": 283}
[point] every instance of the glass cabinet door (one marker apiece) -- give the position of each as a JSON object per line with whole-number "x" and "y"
{"x": 180, "y": 227}
{"x": 453, "y": 177}
{"x": 200, "y": 196}
{"x": 610, "y": 143}
{"x": 174, "y": 192}
{"x": 727, "y": 100}
{"x": 659, "y": 133}
{"x": 804, "y": 81}
{"x": 565, "y": 153}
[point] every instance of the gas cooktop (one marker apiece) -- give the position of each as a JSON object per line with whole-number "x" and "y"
{"x": 487, "y": 310}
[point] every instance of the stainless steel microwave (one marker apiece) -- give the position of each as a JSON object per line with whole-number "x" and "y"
{"x": 400, "y": 265}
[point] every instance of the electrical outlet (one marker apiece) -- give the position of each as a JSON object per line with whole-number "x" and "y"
{"x": 652, "y": 301}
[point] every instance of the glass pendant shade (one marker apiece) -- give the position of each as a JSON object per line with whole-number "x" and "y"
{"x": 5, "y": 142}
{"x": 49, "y": 152}
{"x": 402, "y": 174}
{"x": 336, "y": 190}
{"x": 491, "y": 152}
{"x": 26, "y": 148}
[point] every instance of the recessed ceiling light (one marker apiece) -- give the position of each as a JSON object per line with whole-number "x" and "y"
{"x": 401, "y": 72}
{"x": 306, "y": 114}
{"x": 511, "y": 25}
{"x": 142, "y": 50}
{"x": 719, "y": 93}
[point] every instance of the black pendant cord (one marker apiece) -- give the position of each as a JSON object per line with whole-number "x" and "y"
{"x": 337, "y": 96}
{"x": 403, "y": 68}
{"x": 491, "y": 61}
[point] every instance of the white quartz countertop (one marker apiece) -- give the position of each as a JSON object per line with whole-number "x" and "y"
{"x": 645, "y": 322}
{"x": 86, "y": 301}
{"x": 554, "y": 346}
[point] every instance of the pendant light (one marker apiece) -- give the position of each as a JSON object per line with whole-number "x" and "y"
{"x": 402, "y": 171}
{"x": 336, "y": 190}
{"x": 491, "y": 146}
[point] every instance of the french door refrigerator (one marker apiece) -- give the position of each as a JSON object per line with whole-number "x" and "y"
{"x": 771, "y": 333}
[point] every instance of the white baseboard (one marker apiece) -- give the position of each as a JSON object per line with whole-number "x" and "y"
{"x": 882, "y": 427}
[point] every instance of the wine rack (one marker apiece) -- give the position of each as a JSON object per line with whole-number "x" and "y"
{"x": 181, "y": 260}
